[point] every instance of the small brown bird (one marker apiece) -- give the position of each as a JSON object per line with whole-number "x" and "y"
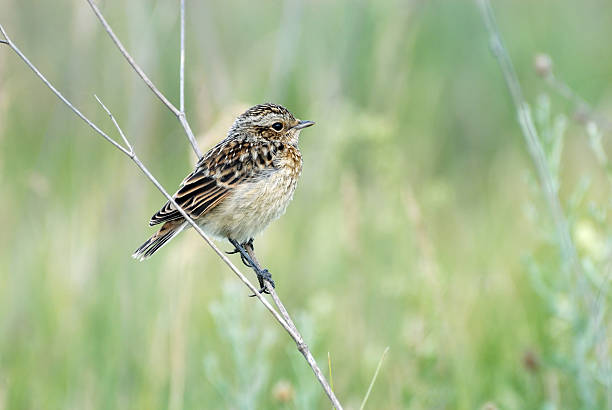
{"x": 241, "y": 185}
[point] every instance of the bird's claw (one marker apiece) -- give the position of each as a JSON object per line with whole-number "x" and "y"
{"x": 244, "y": 260}
{"x": 264, "y": 276}
{"x": 260, "y": 291}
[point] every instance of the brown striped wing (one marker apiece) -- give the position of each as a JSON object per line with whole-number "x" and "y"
{"x": 222, "y": 168}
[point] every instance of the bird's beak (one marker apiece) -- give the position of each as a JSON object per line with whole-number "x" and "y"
{"x": 303, "y": 124}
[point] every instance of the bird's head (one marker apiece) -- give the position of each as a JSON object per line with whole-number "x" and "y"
{"x": 269, "y": 121}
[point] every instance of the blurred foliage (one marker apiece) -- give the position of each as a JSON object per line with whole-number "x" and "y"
{"x": 418, "y": 223}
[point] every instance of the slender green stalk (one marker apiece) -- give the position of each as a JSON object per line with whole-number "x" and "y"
{"x": 365, "y": 399}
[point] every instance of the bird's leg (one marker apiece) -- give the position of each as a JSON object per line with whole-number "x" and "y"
{"x": 263, "y": 275}
{"x": 236, "y": 250}
{"x": 250, "y": 248}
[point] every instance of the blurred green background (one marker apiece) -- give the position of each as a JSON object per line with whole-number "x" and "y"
{"x": 418, "y": 223}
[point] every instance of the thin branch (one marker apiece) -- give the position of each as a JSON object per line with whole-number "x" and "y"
{"x": 134, "y": 158}
{"x": 131, "y": 61}
{"x": 182, "y": 60}
{"x": 285, "y": 320}
{"x": 12, "y": 45}
{"x": 299, "y": 341}
{"x": 112, "y": 117}
{"x": 178, "y": 113}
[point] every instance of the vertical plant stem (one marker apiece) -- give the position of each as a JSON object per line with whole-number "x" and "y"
{"x": 580, "y": 290}
{"x": 182, "y": 61}
{"x": 178, "y": 113}
{"x": 534, "y": 145}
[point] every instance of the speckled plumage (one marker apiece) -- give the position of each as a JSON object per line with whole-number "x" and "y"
{"x": 240, "y": 185}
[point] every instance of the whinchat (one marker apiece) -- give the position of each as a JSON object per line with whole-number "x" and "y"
{"x": 241, "y": 185}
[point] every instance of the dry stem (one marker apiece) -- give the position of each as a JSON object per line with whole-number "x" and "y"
{"x": 180, "y": 114}
{"x": 299, "y": 341}
{"x": 285, "y": 320}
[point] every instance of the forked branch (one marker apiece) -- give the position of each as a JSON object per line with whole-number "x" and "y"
{"x": 179, "y": 113}
{"x": 284, "y": 320}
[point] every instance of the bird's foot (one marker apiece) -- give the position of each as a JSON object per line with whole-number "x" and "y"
{"x": 245, "y": 259}
{"x": 263, "y": 275}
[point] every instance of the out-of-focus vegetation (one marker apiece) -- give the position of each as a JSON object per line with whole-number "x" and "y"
{"x": 418, "y": 223}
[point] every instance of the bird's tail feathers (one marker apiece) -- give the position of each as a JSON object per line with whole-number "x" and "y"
{"x": 168, "y": 231}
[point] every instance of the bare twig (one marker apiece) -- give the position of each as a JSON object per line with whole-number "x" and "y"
{"x": 380, "y": 362}
{"x": 182, "y": 61}
{"x": 112, "y": 117}
{"x": 59, "y": 95}
{"x": 284, "y": 320}
{"x": 130, "y": 153}
{"x": 178, "y": 113}
{"x": 299, "y": 341}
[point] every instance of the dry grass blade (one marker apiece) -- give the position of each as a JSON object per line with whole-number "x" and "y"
{"x": 331, "y": 379}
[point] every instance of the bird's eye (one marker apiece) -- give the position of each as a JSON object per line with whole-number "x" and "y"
{"x": 277, "y": 126}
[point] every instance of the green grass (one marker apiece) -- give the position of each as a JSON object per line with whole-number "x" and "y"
{"x": 418, "y": 223}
